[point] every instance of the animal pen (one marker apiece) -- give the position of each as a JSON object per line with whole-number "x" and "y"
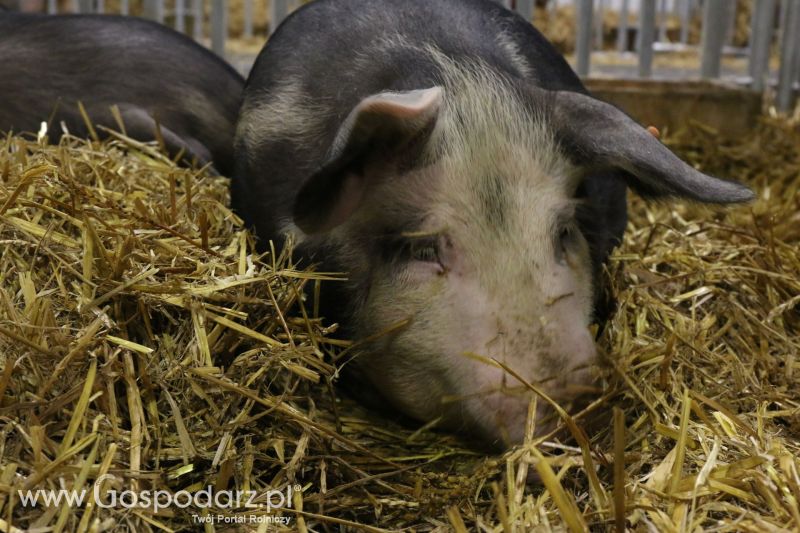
{"x": 152, "y": 360}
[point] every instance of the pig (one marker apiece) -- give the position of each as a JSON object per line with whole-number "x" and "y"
{"x": 153, "y": 74}
{"x": 446, "y": 158}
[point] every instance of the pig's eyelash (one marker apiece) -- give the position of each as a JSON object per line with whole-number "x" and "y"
{"x": 425, "y": 250}
{"x": 420, "y": 234}
{"x": 411, "y": 246}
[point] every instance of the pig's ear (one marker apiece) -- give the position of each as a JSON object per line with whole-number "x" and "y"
{"x": 380, "y": 126}
{"x": 595, "y": 134}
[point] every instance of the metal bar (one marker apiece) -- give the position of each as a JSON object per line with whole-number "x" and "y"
{"x": 797, "y": 60}
{"x": 154, "y": 10}
{"x": 598, "y": 24}
{"x": 663, "y": 21}
{"x": 783, "y": 19}
{"x": 712, "y": 39}
{"x": 730, "y": 22}
{"x": 760, "y": 41}
{"x": 278, "y": 10}
{"x": 197, "y": 19}
{"x": 85, "y": 6}
{"x": 622, "y": 28}
{"x": 124, "y": 8}
{"x": 52, "y": 7}
{"x": 583, "y": 44}
{"x": 686, "y": 16}
{"x": 100, "y": 6}
{"x": 790, "y": 47}
{"x": 180, "y": 15}
{"x": 647, "y": 30}
{"x": 525, "y": 9}
{"x": 219, "y": 26}
{"x": 248, "y": 19}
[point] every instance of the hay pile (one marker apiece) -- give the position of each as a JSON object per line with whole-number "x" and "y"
{"x": 142, "y": 337}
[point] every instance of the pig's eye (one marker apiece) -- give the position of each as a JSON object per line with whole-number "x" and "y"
{"x": 426, "y": 250}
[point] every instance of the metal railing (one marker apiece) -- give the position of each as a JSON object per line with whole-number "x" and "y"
{"x": 718, "y": 17}
{"x": 774, "y": 23}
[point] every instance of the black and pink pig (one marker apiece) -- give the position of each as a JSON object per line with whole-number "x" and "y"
{"x": 445, "y": 157}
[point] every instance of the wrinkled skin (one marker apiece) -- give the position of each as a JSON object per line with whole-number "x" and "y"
{"x": 446, "y": 158}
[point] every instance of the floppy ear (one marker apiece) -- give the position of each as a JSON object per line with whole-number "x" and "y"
{"x": 379, "y": 126}
{"x": 598, "y": 135}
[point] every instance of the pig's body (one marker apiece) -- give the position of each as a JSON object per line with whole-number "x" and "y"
{"x": 149, "y": 71}
{"x": 436, "y": 151}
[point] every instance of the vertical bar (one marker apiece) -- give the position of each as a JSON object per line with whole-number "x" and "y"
{"x": 663, "y": 21}
{"x": 730, "y": 23}
{"x": 52, "y": 7}
{"x": 101, "y": 6}
{"x": 76, "y": 6}
{"x": 124, "y": 8}
{"x": 598, "y": 24}
{"x": 197, "y": 19}
{"x": 686, "y": 18}
{"x": 525, "y": 9}
{"x": 180, "y": 15}
{"x": 85, "y": 6}
{"x": 154, "y": 10}
{"x": 760, "y": 40}
{"x": 583, "y": 44}
{"x": 712, "y": 39}
{"x": 219, "y": 26}
{"x": 622, "y": 28}
{"x": 647, "y": 30}
{"x": 248, "y": 19}
{"x": 278, "y": 10}
{"x": 783, "y": 19}
{"x": 797, "y": 59}
{"x": 790, "y": 47}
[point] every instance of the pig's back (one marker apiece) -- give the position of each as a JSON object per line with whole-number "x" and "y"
{"x": 336, "y": 44}
{"x": 52, "y": 62}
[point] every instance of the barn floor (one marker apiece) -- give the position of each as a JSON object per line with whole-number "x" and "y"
{"x": 144, "y": 343}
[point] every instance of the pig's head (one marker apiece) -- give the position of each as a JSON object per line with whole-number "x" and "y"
{"x": 452, "y": 209}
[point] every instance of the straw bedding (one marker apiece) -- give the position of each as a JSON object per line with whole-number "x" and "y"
{"x": 143, "y": 341}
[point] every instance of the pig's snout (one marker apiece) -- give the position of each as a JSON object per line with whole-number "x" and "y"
{"x": 563, "y": 367}
{"x": 577, "y": 349}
